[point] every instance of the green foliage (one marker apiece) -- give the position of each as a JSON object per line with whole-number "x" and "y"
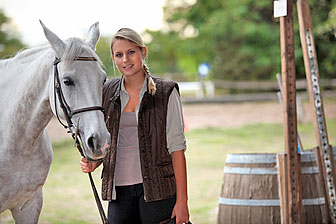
{"x": 247, "y": 44}
{"x": 9, "y": 44}
{"x": 240, "y": 39}
{"x": 161, "y": 51}
{"x": 103, "y": 51}
{"x": 324, "y": 24}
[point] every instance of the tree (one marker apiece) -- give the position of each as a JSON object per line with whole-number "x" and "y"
{"x": 246, "y": 41}
{"x": 104, "y": 53}
{"x": 9, "y": 44}
{"x": 175, "y": 50}
{"x": 240, "y": 39}
{"x": 324, "y": 28}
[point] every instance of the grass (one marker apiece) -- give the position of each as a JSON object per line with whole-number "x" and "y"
{"x": 67, "y": 192}
{"x": 206, "y": 154}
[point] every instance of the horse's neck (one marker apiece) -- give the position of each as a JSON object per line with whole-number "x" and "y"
{"x": 27, "y": 110}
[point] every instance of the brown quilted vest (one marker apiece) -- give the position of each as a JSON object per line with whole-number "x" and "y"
{"x": 156, "y": 163}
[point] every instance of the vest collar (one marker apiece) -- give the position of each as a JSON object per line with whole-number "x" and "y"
{"x": 144, "y": 90}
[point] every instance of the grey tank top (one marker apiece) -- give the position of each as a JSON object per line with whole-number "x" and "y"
{"x": 128, "y": 169}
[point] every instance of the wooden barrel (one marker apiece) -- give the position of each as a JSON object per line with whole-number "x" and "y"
{"x": 250, "y": 190}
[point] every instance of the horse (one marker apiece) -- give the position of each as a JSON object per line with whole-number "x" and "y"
{"x": 29, "y": 89}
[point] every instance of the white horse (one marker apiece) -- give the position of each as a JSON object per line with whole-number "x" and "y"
{"x": 27, "y": 104}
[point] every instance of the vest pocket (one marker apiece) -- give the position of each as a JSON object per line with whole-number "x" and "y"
{"x": 166, "y": 170}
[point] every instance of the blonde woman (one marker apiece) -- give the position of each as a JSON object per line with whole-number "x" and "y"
{"x": 144, "y": 174}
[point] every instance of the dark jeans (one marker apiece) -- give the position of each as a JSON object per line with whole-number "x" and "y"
{"x": 130, "y": 207}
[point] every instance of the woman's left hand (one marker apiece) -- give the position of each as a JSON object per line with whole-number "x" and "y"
{"x": 181, "y": 212}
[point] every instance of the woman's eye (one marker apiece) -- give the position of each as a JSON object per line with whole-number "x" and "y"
{"x": 131, "y": 52}
{"x": 118, "y": 55}
{"x": 68, "y": 82}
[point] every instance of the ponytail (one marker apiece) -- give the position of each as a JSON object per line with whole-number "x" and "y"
{"x": 151, "y": 83}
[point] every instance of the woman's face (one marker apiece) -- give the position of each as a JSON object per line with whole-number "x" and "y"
{"x": 128, "y": 57}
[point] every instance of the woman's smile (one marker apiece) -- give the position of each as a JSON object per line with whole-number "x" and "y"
{"x": 128, "y": 67}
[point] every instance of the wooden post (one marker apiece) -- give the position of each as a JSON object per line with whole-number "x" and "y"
{"x": 280, "y": 94}
{"x": 312, "y": 74}
{"x": 293, "y": 165}
{"x": 283, "y": 183}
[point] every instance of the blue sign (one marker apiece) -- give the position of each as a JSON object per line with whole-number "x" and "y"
{"x": 203, "y": 70}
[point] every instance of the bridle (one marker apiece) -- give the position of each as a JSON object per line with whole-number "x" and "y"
{"x": 73, "y": 129}
{"x": 68, "y": 113}
{"x": 63, "y": 104}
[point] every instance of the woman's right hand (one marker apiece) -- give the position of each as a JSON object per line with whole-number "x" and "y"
{"x": 88, "y": 166}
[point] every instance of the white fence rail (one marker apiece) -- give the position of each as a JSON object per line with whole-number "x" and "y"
{"x": 195, "y": 92}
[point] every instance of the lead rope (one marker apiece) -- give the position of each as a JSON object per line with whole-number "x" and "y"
{"x": 75, "y": 136}
{"x": 93, "y": 186}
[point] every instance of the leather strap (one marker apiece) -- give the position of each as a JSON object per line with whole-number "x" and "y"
{"x": 85, "y": 59}
{"x": 86, "y": 109}
{"x": 68, "y": 115}
{"x": 93, "y": 186}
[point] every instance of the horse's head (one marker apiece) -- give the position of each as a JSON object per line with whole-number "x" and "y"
{"x": 75, "y": 91}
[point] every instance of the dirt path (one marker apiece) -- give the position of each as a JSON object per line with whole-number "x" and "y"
{"x": 222, "y": 115}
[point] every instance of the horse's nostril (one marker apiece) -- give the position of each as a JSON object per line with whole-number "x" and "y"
{"x": 91, "y": 142}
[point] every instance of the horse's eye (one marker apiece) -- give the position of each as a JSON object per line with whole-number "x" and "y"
{"x": 68, "y": 82}
{"x": 104, "y": 81}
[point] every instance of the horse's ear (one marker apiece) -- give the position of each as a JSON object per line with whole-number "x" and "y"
{"x": 93, "y": 36}
{"x": 56, "y": 43}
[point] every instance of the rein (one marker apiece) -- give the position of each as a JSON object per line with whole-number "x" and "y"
{"x": 68, "y": 113}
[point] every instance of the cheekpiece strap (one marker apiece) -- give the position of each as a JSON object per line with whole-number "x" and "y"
{"x": 57, "y": 60}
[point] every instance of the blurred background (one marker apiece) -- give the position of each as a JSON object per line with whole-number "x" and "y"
{"x": 225, "y": 56}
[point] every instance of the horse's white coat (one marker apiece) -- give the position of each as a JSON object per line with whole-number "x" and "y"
{"x": 26, "y": 107}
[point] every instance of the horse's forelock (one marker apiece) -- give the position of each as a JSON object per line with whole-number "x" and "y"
{"x": 75, "y": 48}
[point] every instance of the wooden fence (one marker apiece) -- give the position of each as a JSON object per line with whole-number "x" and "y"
{"x": 206, "y": 92}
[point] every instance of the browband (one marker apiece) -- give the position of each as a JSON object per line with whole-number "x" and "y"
{"x": 85, "y": 59}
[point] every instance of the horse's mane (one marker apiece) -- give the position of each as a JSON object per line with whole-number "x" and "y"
{"x": 74, "y": 48}
{"x": 23, "y": 54}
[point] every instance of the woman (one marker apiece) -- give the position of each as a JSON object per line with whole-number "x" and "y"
{"x": 144, "y": 174}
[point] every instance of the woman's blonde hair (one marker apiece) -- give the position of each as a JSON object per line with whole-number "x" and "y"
{"x": 135, "y": 38}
